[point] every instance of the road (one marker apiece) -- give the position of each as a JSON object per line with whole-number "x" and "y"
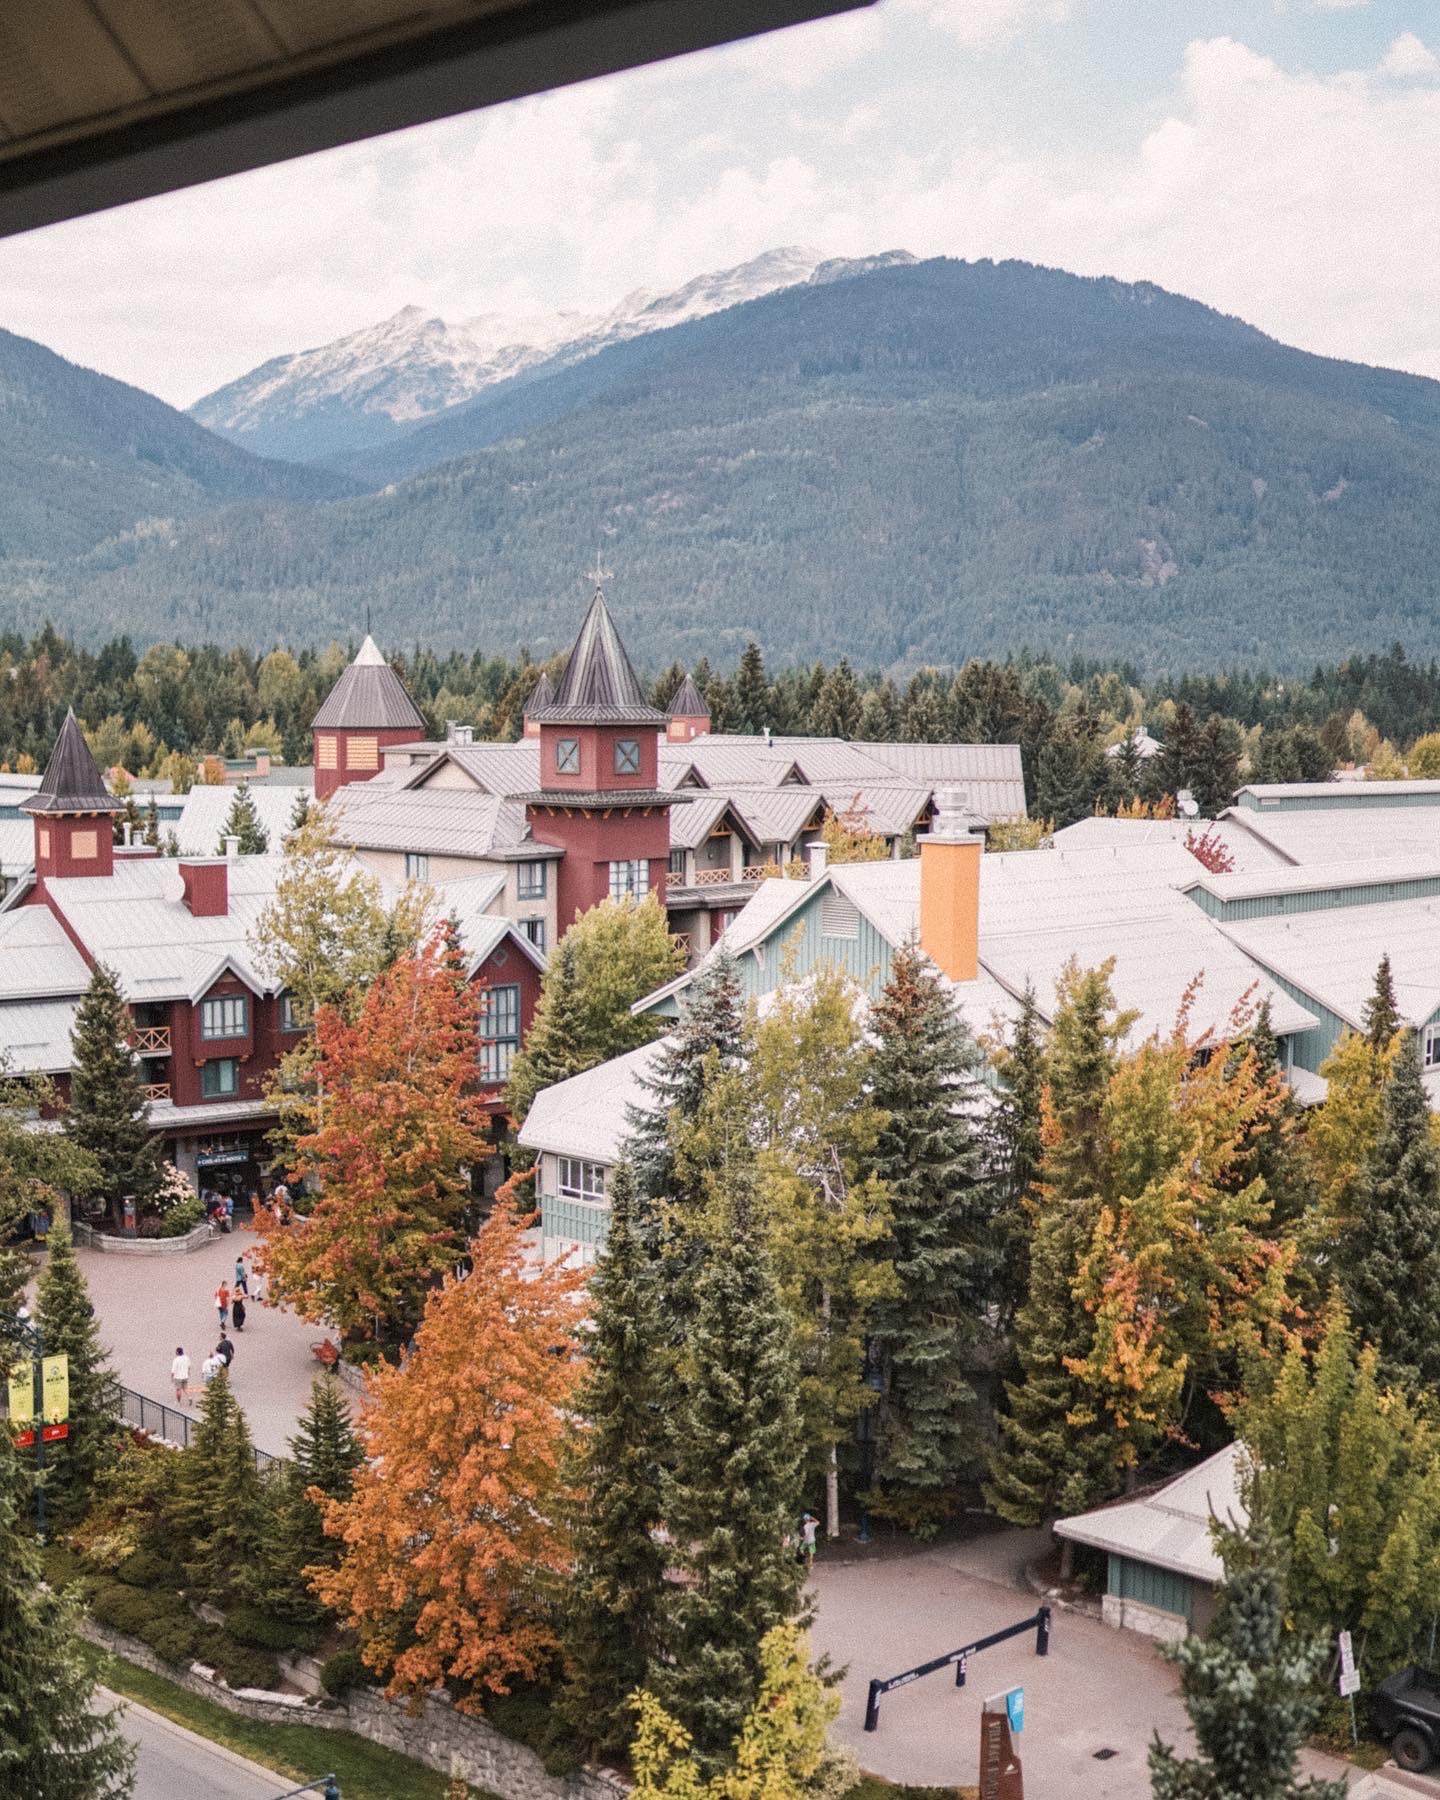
{"x": 175, "y": 1764}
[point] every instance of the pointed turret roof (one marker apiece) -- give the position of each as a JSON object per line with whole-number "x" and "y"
{"x": 599, "y": 687}
{"x": 688, "y": 702}
{"x": 369, "y": 696}
{"x": 541, "y": 696}
{"x": 72, "y": 782}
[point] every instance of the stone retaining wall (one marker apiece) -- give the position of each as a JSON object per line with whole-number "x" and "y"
{"x": 436, "y": 1735}
{"x": 91, "y": 1239}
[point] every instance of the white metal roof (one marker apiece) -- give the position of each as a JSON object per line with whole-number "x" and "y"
{"x": 435, "y": 820}
{"x": 202, "y": 819}
{"x": 1170, "y": 1529}
{"x": 1334, "y": 954}
{"x": 991, "y": 774}
{"x": 1312, "y": 878}
{"x": 37, "y": 960}
{"x": 1343, "y": 833}
{"x": 1337, "y": 787}
{"x": 35, "y": 1035}
{"x": 586, "y": 1116}
{"x": 1248, "y": 852}
{"x": 507, "y": 769}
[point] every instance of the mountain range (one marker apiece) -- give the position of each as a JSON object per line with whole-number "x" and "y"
{"x": 898, "y": 461}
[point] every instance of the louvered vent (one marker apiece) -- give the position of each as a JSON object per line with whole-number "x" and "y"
{"x": 838, "y": 917}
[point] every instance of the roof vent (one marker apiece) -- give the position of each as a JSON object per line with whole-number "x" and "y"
{"x": 953, "y": 822}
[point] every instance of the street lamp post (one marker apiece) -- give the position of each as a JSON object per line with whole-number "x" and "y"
{"x": 17, "y": 1329}
{"x": 326, "y": 1784}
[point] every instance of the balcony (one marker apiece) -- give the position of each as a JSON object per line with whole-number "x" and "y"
{"x": 713, "y": 877}
{"x": 150, "y": 1040}
{"x": 156, "y": 1090}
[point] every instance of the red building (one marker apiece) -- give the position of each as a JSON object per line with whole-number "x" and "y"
{"x": 366, "y": 712}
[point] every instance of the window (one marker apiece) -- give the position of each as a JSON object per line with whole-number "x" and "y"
{"x": 417, "y": 866}
{"x": 226, "y": 1017}
{"x": 44, "y": 840}
{"x": 325, "y": 752}
{"x": 567, "y": 756}
{"x": 534, "y": 929}
{"x": 220, "y": 1080}
{"x": 629, "y": 880}
{"x": 627, "y": 756}
{"x": 677, "y": 865}
{"x": 84, "y": 845}
{"x": 582, "y": 1180}
{"x": 292, "y": 1017}
{"x": 1432, "y": 1046}
{"x": 362, "y": 753}
{"x": 499, "y": 1030}
{"x": 532, "y": 880}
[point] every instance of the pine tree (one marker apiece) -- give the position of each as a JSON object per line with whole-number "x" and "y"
{"x": 731, "y": 1492}
{"x": 106, "y": 1115}
{"x": 325, "y": 1453}
{"x": 1020, "y": 1157}
{"x": 54, "y": 1744}
{"x": 1382, "y": 1015}
{"x": 1250, "y": 1688}
{"x": 929, "y": 1334}
{"x": 243, "y": 822}
{"x": 614, "y": 1597}
{"x": 836, "y": 711}
{"x": 67, "y": 1321}
{"x": 300, "y": 812}
{"x": 1042, "y": 1464}
{"x": 1388, "y": 1258}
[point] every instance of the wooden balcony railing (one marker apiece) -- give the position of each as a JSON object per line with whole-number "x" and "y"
{"x": 151, "y": 1040}
{"x": 714, "y": 878}
{"x": 156, "y": 1090}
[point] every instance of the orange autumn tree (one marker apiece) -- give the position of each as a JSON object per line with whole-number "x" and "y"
{"x": 1184, "y": 1278}
{"x": 451, "y": 1543}
{"x": 402, "y": 1122}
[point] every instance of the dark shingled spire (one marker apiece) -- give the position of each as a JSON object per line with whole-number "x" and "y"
{"x": 541, "y": 696}
{"x": 72, "y": 782}
{"x": 599, "y": 687}
{"x": 369, "y": 696}
{"x": 688, "y": 702}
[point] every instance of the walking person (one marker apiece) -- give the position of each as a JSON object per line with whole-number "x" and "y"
{"x": 222, "y": 1304}
{"x": 237, "y": 1312}
{"x": 225, "y": 1350}
{"x": 211, "y": 1367}
{"x": 808, "y": 1526}
{"x": 180, "y": 1372}
{"x": 242, "y": 1279}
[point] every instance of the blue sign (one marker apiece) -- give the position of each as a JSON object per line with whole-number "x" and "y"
{"x": 1015, "y": 1708}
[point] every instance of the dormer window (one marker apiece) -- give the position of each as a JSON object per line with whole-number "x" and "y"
{"x": 567, "y": 756}
{"x": 627, "y": 756}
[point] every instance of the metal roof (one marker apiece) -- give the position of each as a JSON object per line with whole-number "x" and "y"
{"x": 1342, "y": 833}
{"x": 587, "y": 1115}
{"x": 72, "y": 783}
{"x": 201, "y": 824}
{"x": 507, "y": 769}
{"x": 436, "y": 821}
{"x": 541, "y": 696}
{"x": 991, "y": 774}
{"x": 1170, "y": 1528}
{"x": 35, "y": 1035}
{"x": 692, "y": 823}
{"x": 369, "y": 696}
{"x": 1250, "y": 855}
{"x": 687, "y": 702}
{"x": 599, "y": 686}
{"x": 36, "y": 958}
{"x": 1311, "y": 878}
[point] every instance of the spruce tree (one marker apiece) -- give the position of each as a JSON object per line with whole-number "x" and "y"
{"x": 751, "y": 691}
{"x": 1250, "y": 1687}
{"x": 614, "y": 1597}
{"x": 54, "y": 1744}
{"x": 243, "y": 822}
{"x": 219, "y": 1501}
{"x": 152, "y": 823}
{"x": 930, "y": 1335}
{"x": 325, "y": 1453}
{"x": 731, "y": 1492}
{"x": 1042, "y": 1465}
{"x": 550, "y": 1052}
{"x": 67, "y": 1320}
{"x": 1020, "y": 1153}
{"x": 106, "y": 1115}
{"x": 1388, "y": 1257}
{"x": 1382, "y": 1015}
{"x": 300, "y": 812}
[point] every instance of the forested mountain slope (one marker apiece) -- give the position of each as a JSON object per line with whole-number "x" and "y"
{"x": 83, "y": 457}
{"x": 916, "y": 464}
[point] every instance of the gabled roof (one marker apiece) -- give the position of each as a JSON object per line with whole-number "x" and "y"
{"x": 369, "y": 696}
{"x": 599, "y": 686}
{"x": 72, "y": 783}
{"x": 1170, "y": 1528}
{"x": 687, "y": 703}
{"x": 541, "y": 696}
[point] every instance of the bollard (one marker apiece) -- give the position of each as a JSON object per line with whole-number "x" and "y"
{"x": 960, "y": 1672}
{"x": 872, "y": 1708}
{"x": 1042, "y": 1632}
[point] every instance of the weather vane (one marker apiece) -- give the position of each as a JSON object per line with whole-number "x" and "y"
{"x": 599, "y": 575}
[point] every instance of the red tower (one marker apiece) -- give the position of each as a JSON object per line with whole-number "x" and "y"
{"x": 71, "y": 810}
{"x": 366, "y": 711}
{"x": 687, "y": 715}
{"x": 599, "y": 799}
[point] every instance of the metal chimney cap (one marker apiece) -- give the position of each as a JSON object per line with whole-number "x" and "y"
{"x": 953, "y": 822}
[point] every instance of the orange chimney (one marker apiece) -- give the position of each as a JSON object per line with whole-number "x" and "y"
{"x": 950, "y": 888}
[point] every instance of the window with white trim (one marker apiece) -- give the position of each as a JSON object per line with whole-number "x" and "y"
{"x": 1432, "y": 1046}
{"x": 629, "y": 880}
{"x": 581, "y": 1180}
{"x": 627, "y": 756}
{"x": 220, "y": 1079}
{"x": 567, "y": 756}
{"x": 226, "y": 1016}
{"x": 291, "y": 1013}
{"x": 677, "y": 865}
{"x": 417, "y": 866}
{"x": 532, "y": 880}
{"x": 534, "y": 930}
{"x": 499, "y": 1031}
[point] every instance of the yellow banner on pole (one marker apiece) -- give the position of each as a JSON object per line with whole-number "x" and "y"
{"x": 22, "y": 1395}
{"x": 55, "y": 1379}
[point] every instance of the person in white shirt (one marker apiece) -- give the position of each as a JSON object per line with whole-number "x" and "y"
{"x": 180, "y": 1371}
{"x": 211, "y": 1367}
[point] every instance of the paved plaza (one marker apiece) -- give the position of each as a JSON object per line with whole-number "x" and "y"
{"x": 148, "y": 1304}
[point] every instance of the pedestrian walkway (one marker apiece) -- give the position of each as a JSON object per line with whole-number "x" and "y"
{"x": 147, "y": 1305}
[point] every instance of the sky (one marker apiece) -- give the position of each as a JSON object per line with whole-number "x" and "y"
{"x": 1278, "y": 159}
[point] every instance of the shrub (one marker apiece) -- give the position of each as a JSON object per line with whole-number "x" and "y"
{"x": 184, "y": 1216}
{"x": 527, "y": 1716}
{"x": 162, "y": 1623}
{"x": 237, "y": 1665}
{"x": 344, "y": 1670}
{"x": 261, "y": 1630}
{"x": 147, "y": 1569}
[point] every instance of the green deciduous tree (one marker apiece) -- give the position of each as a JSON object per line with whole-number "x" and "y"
{"x": 37, "y": 1168}
{"x": 614, "y": 1598}
{"x": 67, "y": 1320}
{"x": 106, "y": 1116}
{"x": 929, "y": 1332}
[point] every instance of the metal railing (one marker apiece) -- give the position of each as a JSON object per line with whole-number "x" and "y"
{"x": 151, "y": 1040}
{"x": 158, "y": 1420}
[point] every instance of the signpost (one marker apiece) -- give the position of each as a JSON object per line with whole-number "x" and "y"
{"x": 1001, "y": 1776}
{"x": 39, "y": 1386}
{"x": 1349, "y": 1682}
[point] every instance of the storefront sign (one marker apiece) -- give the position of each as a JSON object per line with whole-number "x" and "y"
{"x": 222, "y": 1159}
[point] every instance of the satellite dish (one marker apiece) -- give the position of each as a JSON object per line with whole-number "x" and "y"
{"x": 1186, "y": 803}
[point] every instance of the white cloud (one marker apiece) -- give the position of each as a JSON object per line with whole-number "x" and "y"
{"x": 1408, "y": 58}
{"x": 981, "y": 24}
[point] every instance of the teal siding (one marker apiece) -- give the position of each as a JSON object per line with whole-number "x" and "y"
{"x": 1309, "y": 1048}
{"x": 576, "y": 1221}
{"x": 1268, "y": 906}
{"x": 866, "y": 956}
{"x": 1347, "y": 793}
{"x": 1143, "y": 1582}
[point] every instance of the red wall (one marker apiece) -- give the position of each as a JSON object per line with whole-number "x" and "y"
{"x": 62, "y": 861}
{"x": 592, "y": 840}
{"x": 515, "y": 970}
{"x": 327, "y": 780}
{"x": 259, "y": 1050}
{"x": 597, "y": 758}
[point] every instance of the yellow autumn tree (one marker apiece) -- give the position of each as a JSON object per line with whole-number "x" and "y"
{"x": 1341, "y": 1132}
